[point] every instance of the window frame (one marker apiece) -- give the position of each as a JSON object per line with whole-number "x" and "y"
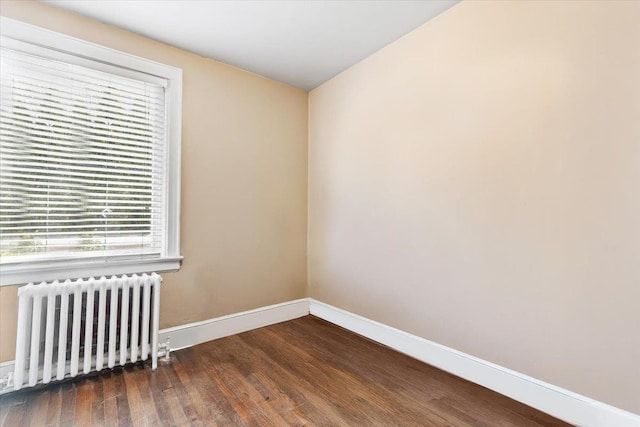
{"x": 58, "y": 46}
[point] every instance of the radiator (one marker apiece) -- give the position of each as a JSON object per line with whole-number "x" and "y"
{"x": 84, "y": 325}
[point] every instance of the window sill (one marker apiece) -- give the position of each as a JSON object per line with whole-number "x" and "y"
{"x": 21, "y": 274}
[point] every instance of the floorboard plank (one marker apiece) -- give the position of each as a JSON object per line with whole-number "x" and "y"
{"x": 304, "y": 372}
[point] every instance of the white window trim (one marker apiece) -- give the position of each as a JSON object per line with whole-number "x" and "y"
{"x": 16, "y": 274}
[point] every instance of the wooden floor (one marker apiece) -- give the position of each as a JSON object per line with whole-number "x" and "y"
{"x": 302, "y": 372}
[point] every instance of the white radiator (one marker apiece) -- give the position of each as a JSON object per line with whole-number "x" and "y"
{"x": 80, "y": 326}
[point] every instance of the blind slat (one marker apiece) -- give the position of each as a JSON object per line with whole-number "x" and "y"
{"x": 52, "y": 70}
{"x": 67, "y": 166}
{"x": 71, "y": 89}
{"x": 73, "y": 107}
{"x": 83, "y": 122}
{"x": 63, "y": 148}
{"x": 82, "y": 161}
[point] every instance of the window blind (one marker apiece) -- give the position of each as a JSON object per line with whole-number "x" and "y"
{"x": 82, "y": 162}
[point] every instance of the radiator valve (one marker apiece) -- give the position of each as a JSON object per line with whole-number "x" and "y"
{"x": 165, "y": 350}
{"x": 6, "y": 381}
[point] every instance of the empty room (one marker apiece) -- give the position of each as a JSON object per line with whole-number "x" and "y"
{"x": 320, "y": 213}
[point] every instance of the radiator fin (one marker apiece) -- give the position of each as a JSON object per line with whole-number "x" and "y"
{"x": 106, "y": 322}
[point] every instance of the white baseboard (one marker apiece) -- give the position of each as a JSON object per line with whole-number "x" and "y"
{"x": 560, "y": 403}
{"x": 198, "y": 332}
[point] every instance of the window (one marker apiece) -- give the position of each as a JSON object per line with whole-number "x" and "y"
{"x": 89, "y": 159}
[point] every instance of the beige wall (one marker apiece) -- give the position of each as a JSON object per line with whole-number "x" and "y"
{"x": 477, "y": 183}
{"x": 244, "y": 181}
{"x": 474, "y": 183}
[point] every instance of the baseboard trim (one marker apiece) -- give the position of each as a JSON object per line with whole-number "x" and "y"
{"x": 560, "y": 403}
{"x": 190, "y": 334}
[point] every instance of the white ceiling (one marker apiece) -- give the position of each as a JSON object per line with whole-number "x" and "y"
{"x": 299, "y": 42}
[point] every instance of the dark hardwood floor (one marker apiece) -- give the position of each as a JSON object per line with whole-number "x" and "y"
{"x": 302, "y": 372}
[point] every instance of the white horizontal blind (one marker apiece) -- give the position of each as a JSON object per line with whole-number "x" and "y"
{"x": 82, "y": 162}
